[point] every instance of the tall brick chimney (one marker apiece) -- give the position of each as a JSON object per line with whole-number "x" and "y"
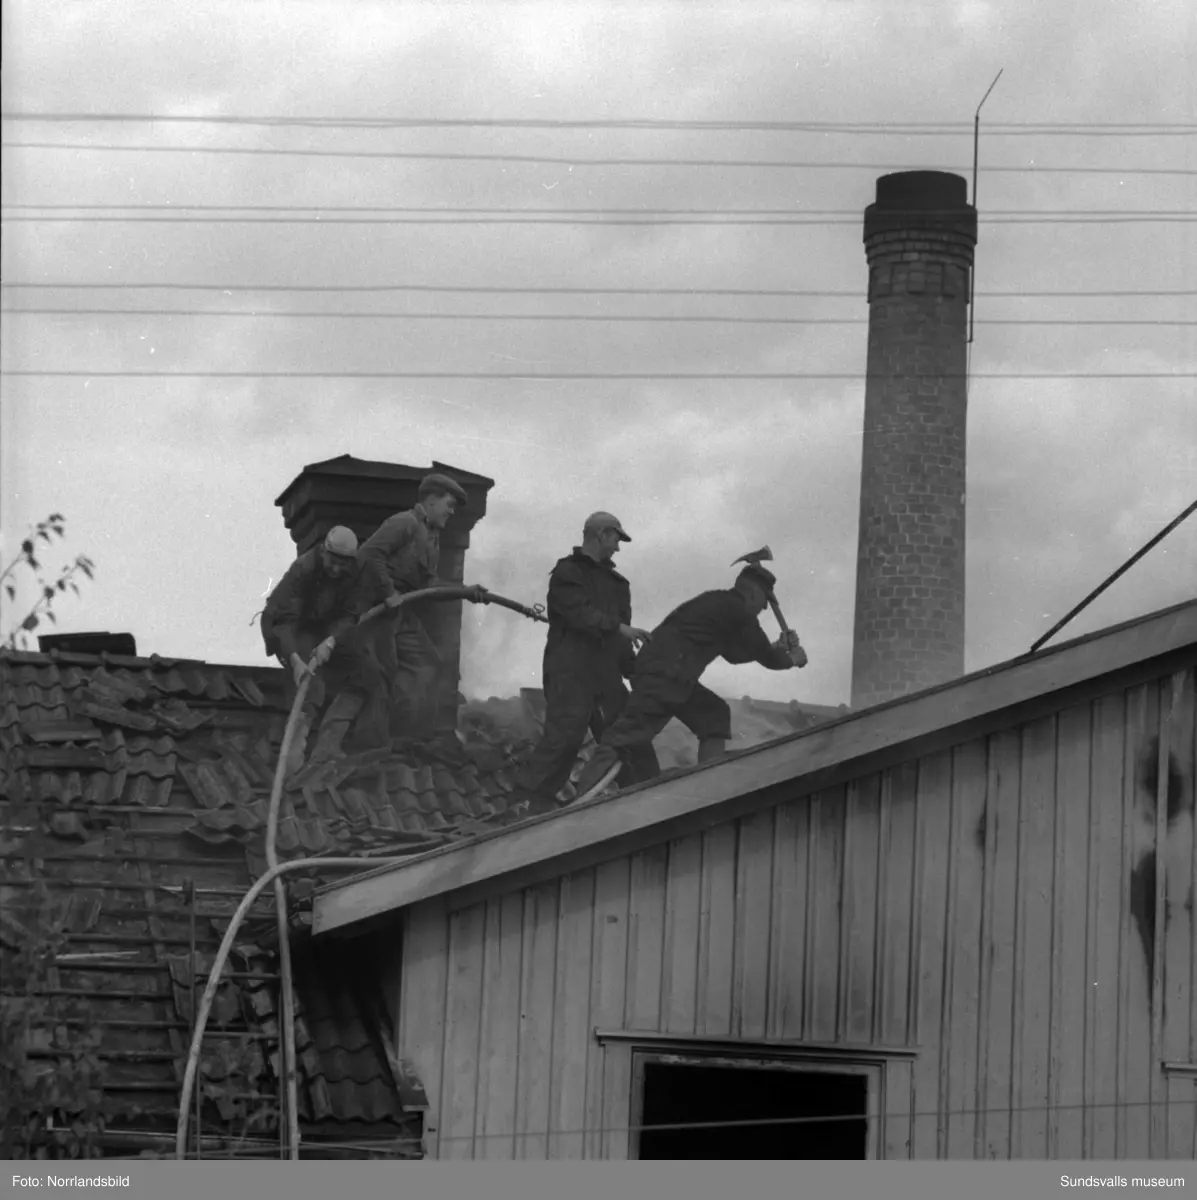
{"x": 919, "y": 238}
{"x": 362, "y": 494}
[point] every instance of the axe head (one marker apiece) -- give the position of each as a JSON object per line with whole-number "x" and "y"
{"x": 764, "y": 554}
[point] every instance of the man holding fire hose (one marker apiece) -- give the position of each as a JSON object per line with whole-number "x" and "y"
{"x": 402, "y": 556}
{"x": 312, "y": 615}
{"x": 589, "y": 653}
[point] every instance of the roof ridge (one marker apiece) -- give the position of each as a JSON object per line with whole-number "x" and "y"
{"x": 126, "y": 661}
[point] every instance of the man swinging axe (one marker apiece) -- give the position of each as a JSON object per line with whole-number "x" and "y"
{"x": 665, "y": 683}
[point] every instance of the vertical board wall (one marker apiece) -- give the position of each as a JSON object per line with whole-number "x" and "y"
{"x": 1019, "y": 908}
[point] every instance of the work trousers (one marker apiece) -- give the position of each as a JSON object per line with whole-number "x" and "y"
{"x": 660, "y": 694}
{"x": 574, "y": 704}
{"x": 411, "y": 667}
{"x": 352, "y": 669}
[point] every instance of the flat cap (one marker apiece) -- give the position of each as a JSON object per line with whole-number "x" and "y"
{"x": 443, "y": 483}
{"x": 606, "y": 520}
{"x": 758, "y": 574}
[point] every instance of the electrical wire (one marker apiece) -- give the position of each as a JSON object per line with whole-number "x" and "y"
{"x": 562, "y": 376}
{"x": 852, "y": 213}
{"x": 559, "y": 160}
{"x": 897, "y": 1116}
{"x": 1126, "y": 566}
{"x": 564, "y": 220}
{"x": 686, "y": 318}
{"x": 577, "y": 217}
{"x": 920, "y": 128}
{"x": 481, "y": 290}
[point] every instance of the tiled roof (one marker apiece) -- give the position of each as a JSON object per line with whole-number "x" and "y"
{"x": 92, "y": 733}
{"x": 124, "y": 782}
{"x": 135, "y": 793}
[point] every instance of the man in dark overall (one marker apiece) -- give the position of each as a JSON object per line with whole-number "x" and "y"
{"x": 312, "y": 614}
{"x": 589, "y": 653}
{"x": 403, "y": 555}
{"x": 716, "y": 624}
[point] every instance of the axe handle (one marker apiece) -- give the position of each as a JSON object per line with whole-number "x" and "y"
{"x": 777, "y": 613}
{"x": 785, "y": 629}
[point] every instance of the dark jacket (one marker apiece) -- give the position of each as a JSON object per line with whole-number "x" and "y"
{"x": 713, "y": 625}
{"x": 588, "y": 601}
{"x": 402, "y": 554}
{"x": 306, "y": 598}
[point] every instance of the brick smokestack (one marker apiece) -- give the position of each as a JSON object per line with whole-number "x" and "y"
{"x": 361, "y": 495}
{"x": 919, "y": 238}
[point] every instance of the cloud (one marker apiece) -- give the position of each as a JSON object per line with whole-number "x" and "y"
{"x": 170, "y": 483}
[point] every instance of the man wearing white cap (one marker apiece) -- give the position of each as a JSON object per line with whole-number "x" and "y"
{"x": 312, "y": 614}
{"x": 590, "y": 651}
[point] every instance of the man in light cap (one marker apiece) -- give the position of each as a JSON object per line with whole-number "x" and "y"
{"x": 589, "y": 653}
{"x": 312, "y": 614}
{"x": 401, "y": 556}
{"x": 715, "y": 624}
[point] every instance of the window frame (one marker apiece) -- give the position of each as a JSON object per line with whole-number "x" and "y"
{"x": 798, "y": 1059}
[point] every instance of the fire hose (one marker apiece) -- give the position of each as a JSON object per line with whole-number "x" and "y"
{"x": 274, "y": 875}
{"x": 457, "y": 592}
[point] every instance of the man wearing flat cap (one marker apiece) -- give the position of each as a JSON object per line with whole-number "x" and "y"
{"x": 715, "y": 624}
{"x": 589, "y": 653}
{"x": 401, "y": 556}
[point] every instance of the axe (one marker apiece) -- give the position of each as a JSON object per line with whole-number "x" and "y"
{"x": 764, "y": 554}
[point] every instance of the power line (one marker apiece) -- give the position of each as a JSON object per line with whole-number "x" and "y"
{"x": 919, "y": 128}
{"x": 475, "y": 289}
{"x": 901, "y": 1116}
{"x": 854, "y": 213}
{"x": 581, "y": 317}
{"x": 837, "y": 1118}
{"x": 946, "y": 1112}
{"x": 1110, "y": 579}
{"x": 578, "y": 375}
{"x": 557, "y": 160}
{"x": 568, "y": 218}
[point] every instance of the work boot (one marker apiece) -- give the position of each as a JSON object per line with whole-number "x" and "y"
{"x": 711, "y": 747}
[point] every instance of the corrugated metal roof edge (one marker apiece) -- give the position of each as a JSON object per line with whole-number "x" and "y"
{"x": 1176, "y": 633}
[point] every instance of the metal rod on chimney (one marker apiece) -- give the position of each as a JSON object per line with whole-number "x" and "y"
{"x": 1122, "y": 570}
{"x": 972, "y": 275}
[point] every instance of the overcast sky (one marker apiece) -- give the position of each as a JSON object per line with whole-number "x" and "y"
{"x": 169, "y": 484}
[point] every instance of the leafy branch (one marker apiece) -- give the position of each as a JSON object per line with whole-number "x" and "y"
{"x": 47, "y": 590}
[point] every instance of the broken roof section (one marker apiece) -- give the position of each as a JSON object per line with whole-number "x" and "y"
{"x": 134, "y": 794}
{"x": 668, "y": 807}
{"x": 519, "y": 719}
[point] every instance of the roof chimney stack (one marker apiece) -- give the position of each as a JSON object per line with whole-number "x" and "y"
{"x": 361, "y": 495}
{"x": 919, "y": 238}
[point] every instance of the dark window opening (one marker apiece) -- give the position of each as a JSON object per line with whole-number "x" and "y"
{"x": 679, "y": 1094}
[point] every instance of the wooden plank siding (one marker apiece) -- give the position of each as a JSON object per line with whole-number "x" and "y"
{"x": 1018, "y": 908}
